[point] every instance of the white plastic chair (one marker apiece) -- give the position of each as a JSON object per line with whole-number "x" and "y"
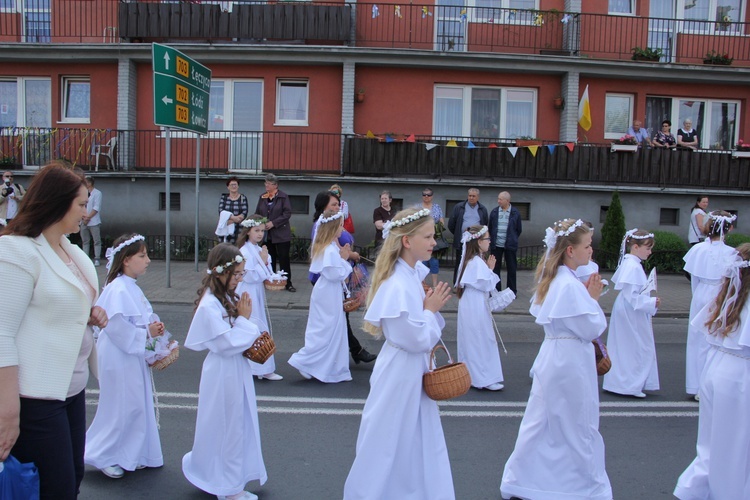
{"x": 108, "y": 152}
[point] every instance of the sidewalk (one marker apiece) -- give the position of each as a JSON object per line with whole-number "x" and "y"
{"x": 674, "y": 289}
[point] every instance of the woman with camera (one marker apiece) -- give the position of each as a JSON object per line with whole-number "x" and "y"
{"x": 10, "y": 196}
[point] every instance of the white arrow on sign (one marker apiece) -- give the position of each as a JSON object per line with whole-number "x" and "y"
{"x": 166, "y": 60}
{"x": 167, "y": 100}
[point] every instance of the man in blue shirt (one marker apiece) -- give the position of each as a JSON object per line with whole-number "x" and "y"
{"x": 640, "y": 134}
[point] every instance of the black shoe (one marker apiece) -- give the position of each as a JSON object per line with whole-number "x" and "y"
{"x": 290, "y": 288}
{"x": 363, "y": 356}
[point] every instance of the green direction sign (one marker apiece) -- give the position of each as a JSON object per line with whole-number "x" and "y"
{"x": 181, "y": 90}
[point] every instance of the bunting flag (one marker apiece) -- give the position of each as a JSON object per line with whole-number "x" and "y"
{"x": 411, "y": 138}
{"x": 451, "y": 144}
{"x": 538, "y": 20}
{"x": 565, "y": 19}
{"x": 388, "y": 138}
{"x": 375, "y": 11}
{"x": 551, "y": 148}
{"x": 533, "y": 149}
{"x": 370, "y": 135}
{"x": 570, "y": 146}
{"x": 463, "y": 15}
{"x": 492, "y": 145}
{"x": 425, "y": 11}
{"x": 584, "y": 110}
{"x": 470, "y": 145}
{"x": 513, "y": 150}
{"x": 397, "y": 11}
{"x": 511, "y": 15}
{"x": 429, "y": 146}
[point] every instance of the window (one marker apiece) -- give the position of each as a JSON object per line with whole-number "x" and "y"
{"x": 7, "y": 5}
{"x": 621, "y": 7}
{"x": 524, "y": 209}
{"x": 76, "y": 100}
{"x": 174, "y": 201}
{"x": 618, "y": 115}
{"x": 300, "y": 204}
{"x": 25, "y": 102}
{"x": 37, "y": 20}
{"x": 714, "y": 120}
{"x": 669, "y": 216}
{"x": 484, "y": 112}
{"x": 603, "y": 213}
{"x": 711, "y": 15}
{"x": 292, "y": 102}
{"x": 516, "y": 11}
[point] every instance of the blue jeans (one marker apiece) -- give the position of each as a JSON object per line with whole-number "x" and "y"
{"x": 53, "y": 436}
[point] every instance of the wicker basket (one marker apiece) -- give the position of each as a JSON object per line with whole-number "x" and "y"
{"x": 261, "y": 350}
{"x": 170, "y": 358}
{"x": 352, "y": 304}
{"x": 447, "y": 382}
{"x": 603, "y": 361}
{"x": 275, "y": 286}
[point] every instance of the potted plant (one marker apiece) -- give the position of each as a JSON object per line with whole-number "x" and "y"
{"x": 558, "y": 102}
{"x": 625, "y": 143}
{"x": 360, "y": 96}
{"x": 718, "y": 59}
{"x": 647, "y": 54}
{"x": 741, "y": 149}
{"x": 8, "y": 162}
{"x": 526, "y": 140}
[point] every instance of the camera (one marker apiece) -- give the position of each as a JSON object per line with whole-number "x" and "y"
{"x": 8, "y": 188}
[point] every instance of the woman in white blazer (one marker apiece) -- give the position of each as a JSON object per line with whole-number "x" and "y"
{"x": 49, "y": 290}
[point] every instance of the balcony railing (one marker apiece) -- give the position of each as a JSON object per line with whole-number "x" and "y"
{"x": 388, "y": 25}
{"x": 429, "y": 157}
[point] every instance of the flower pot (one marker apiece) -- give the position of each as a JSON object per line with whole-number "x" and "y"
{"x": 628, "y": 148}
{"x": 359, "y": 97}
{"x": 522, "y": 143}
{"x": 637, "y": 57}
{"x": 717, "y": 63}
{"x": 558, "y": 103}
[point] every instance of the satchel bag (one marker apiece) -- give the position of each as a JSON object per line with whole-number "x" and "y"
{"x": 447, "y": 382}
{"x": 440, "y": 242}
{"x": 18, "y": 481}
{"x": 601, "y": 356}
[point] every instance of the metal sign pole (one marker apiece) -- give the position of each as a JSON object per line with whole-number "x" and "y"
{"x": 197, "y": 194}
{"x": 167, "y": 203}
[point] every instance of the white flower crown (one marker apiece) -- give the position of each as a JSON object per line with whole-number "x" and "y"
{"x": 467, "y": 236}
{"x": 325, "y": 220}
{"x": 111, "y": 252}
{"x": 404, "y": 221}
{"x": 723, "y": 218}
{"x": 238, "y": 259}
{"x": 631, "y": 234}
{"x": 550, "y": 235}
{"x": 253, "y": 222}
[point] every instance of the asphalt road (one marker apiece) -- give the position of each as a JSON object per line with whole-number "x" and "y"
{"x": 309, "y": 429}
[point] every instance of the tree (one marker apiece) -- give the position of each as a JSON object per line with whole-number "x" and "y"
{"x": 613, "y": 231}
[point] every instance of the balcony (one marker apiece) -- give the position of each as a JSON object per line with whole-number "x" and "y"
{"x": 377, "y": 25}
{"x": 427, "y": 157}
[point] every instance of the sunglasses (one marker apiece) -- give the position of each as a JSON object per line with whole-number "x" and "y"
{"x": 426, "y": 194}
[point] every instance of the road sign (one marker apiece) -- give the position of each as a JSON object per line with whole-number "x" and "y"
{"x": 181, "y": 90}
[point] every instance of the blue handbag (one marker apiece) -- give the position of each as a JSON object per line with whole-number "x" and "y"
{"x": 18, "y": 481}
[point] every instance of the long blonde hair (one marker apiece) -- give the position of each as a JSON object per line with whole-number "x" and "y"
{"x": 389, "y": 253}
{"x": 546, "y": 270}
{"x": 724, "y": 326}
{"x": 325, "y": 234}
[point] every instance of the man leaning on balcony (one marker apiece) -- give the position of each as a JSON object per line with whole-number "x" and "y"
{"x": 640, "y": 134}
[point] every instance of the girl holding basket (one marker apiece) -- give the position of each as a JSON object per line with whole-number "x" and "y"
{"x": 325, "y": 354}
{"x": 559, "y": 452}
{"x": 124, "y": 434}
{"x": 401, "y": 451}
{"x": 226, "y": 452}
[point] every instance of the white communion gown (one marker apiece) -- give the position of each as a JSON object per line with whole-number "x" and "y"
{"x": 630, "y": 341}
{"x": 226, "y": 450}
{"x": 325, "y": 354}
{"x": 477, "y": 344}
{"x": 401, "y": 451}
{"x": 721, "y": 469}
{"x": 705, "y": 263}
{"x": 124, "y": 430}
{"x": 559, "y": 453}
{"x": 252, "y": 283}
